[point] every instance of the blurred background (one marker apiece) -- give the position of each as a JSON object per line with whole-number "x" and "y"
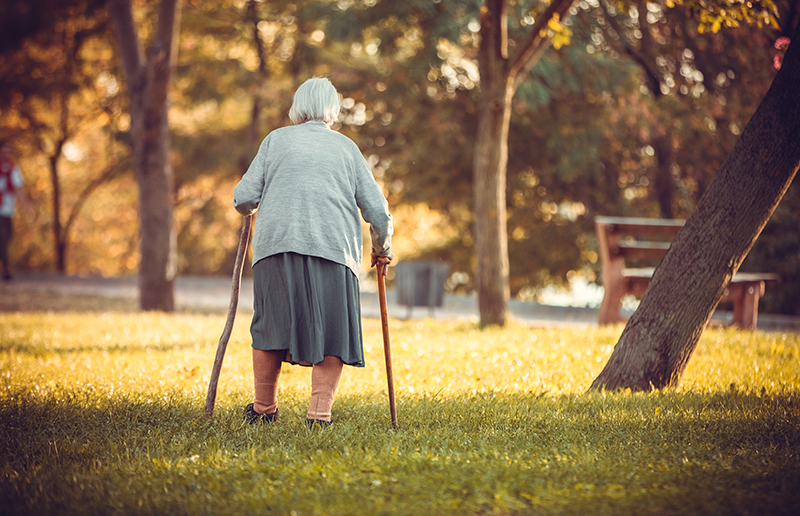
{"x": 630, "y": 112}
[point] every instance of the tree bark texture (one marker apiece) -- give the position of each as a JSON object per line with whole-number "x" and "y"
{"x": 662, "y": 334}
{"x": 148, "y": 84}
{"x": 489, "y": 167}
{"x": 500, "y": 77}
{"x": 663, "y": 183}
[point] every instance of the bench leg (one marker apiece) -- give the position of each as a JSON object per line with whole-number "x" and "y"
{"x": 611, "y": 305}
{"x": 745, "y": 306}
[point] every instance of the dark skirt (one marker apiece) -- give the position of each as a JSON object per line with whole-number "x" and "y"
{"x": 308, "y": 306}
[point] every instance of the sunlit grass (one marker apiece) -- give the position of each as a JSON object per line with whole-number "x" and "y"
{"x": 102, "y": 413}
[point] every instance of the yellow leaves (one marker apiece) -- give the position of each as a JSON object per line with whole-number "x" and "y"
{"x": 714, "y": 18}
{"x": 559, "y": 33}
{"x": 555, "y": 23}
{"x": 562, "y": 38}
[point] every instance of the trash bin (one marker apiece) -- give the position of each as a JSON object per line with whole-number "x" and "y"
{"x": 420, "y": 283}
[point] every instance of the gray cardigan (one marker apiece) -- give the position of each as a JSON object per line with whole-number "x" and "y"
{"x": 308, "y": 183}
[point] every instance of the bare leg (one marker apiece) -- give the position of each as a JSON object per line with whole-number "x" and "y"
{"x": 324, "y": 381}
{"x": 266, "y": 371}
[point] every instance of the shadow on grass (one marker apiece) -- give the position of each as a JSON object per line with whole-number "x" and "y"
{"x": 73, "y": 452}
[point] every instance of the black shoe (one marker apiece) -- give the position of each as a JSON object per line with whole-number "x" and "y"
{"x": 252, "y": 417}
{"x": 319, "y": 422}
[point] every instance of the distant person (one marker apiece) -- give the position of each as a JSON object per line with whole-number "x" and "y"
{"x": 10, "y": 191}
{"x": 308, "y": 183}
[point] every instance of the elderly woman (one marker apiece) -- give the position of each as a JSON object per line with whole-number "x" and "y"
{"x": 308, "y": 184}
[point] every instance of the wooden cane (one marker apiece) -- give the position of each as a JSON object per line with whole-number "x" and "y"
{"x": 241, "y": 252}
{"x": 387, "y": 351}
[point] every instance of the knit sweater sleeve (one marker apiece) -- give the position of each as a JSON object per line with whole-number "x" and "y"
{"x": 247, "y": 194}
{"x": 374, "y": 208}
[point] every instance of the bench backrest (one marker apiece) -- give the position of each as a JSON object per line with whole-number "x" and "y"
{"x": 611, "y": 230}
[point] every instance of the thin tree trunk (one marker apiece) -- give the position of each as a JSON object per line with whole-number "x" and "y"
{"x": 58, "y": 240}
{"x": 252, "y": 134}
{"x": 660, "y": 338}
{"x": 53, "y": 157}
{"x": 664, "y": 184}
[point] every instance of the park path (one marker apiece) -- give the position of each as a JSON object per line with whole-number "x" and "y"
{"x": 213, "y": 293}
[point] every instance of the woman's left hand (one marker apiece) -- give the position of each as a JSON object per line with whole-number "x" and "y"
{"x": 382, "y": 260}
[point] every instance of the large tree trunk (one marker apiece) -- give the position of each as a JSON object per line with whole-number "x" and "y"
{"x": 489, "y": 168}
{"x": 659, "y": 339}
{"x": 148, "y": 83}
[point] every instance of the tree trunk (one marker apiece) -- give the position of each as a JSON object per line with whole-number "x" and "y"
{"x": 659, "y": 339}
{"x": 500, "y": 78}
{"x": 663, "y": 184}
{"x": 148, "y": 83}
{"x": 489, "y": 168}
{"x": 58, "y": 234}
{"x": 158, "y": 241}
{"x": 491, "y": 242}
{"x": 252, "y": 135}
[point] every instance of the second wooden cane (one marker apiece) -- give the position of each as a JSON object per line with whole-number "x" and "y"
{"x": 387, "y": 350}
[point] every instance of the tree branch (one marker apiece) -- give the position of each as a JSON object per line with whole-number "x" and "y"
{"x": 108, "y": 174}
{"x": 168, "y": 21}
{"x": 39, "y": 128}
{"x": 161, "y": 55}
{"x": 651, "y": 77}
{"x": 789, "y": 17}
{"x": 127, "y": 38}
{"x": 82, "y": 35}
{"x": 255, "y": 113}
{"x": 493, "y": 49}
{"x": 252, "y": 15}
{"x": 700, "y": 61}
{"x": 532, "y": 48}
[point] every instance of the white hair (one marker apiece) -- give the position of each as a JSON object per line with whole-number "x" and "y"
{"x": 315, "y": 99}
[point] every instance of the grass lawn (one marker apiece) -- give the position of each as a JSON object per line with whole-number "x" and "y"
{"x": 101, "y": 413}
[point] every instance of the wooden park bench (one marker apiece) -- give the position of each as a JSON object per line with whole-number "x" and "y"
{"x": 620, "y": 238}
